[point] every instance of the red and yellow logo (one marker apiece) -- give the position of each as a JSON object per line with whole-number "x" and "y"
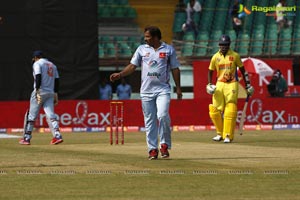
{"x": 162, "y": 54}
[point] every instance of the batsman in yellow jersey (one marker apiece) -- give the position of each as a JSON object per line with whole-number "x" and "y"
{"x": 225, "y": 92}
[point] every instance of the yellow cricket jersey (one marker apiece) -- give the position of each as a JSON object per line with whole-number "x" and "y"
{"x": 226, "y": 66}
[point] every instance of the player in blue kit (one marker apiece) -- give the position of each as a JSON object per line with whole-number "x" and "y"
{"x": 123, "y": 90}
{"x": 156, "y": 59}
{"x": 46, "y": 85}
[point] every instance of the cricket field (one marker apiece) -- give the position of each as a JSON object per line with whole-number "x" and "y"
{"x": 259, "y": 165}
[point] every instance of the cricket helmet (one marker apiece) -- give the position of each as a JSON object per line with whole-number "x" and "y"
{"x": 224, "y": 40}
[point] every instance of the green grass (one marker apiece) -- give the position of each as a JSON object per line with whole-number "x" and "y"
{"x": 258, "y": 165}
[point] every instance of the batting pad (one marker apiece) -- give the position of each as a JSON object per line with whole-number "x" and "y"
{"x": 229, "y": 120}
{"x": 216, "y": 118}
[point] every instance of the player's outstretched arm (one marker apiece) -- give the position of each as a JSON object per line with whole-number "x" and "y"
{"x": 129, "y": 69}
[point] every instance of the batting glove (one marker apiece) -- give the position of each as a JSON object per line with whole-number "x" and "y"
{"x": 210, "y": 88}
{"x": 38, "y": 97}
{"x": 250, "y": 90}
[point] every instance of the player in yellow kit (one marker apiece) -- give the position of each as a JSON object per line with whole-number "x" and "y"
{"x": 225, "y": 92}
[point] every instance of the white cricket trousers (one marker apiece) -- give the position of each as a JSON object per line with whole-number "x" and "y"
{"x": 157, "y": 119}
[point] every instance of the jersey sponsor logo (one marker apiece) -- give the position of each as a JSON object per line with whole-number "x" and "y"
{"x": 162, "y": 54}
{"x": 154, "y": 74}
{"x": 224, "y": 66}
{"x": 152, "y": 63}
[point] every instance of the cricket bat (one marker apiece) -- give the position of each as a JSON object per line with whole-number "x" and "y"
{"x": 241, "y": 125}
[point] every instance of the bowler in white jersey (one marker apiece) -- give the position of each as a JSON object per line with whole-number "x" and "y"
{"x": 156, "y": 59}
{"x": 45, "y": 89}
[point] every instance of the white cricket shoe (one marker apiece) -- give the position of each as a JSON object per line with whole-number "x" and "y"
{"x": 227, "y": 140}
{"x": 217, "y": 138}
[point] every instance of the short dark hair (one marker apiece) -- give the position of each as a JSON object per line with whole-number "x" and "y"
{"x": 154, "y": 31}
